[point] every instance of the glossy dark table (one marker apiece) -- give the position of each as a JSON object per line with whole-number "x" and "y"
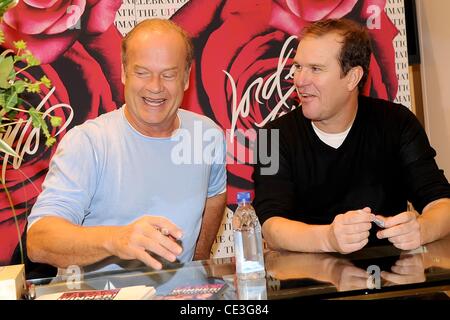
{"x": 371, "y": 273}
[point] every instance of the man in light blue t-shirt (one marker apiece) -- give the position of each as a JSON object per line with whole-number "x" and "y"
{"x": 143, "y": 181}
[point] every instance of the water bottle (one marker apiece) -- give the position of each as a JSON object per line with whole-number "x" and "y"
{"x": 253, "y": 289}
{"x": 248, "y": 248}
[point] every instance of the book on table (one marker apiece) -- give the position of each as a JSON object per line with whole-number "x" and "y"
{"x": 127, "y": 293}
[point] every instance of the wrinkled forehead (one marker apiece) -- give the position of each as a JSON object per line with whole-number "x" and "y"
{"x": 157, "y": 39}
{"x": 157, "y": 45}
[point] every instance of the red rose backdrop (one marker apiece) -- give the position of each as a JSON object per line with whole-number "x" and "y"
{"x": 240, "y": 77}
{"x": 79, "y": 48}
{"x": 241, "y": 73}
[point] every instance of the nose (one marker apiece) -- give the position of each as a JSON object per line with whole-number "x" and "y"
{"x": 154, "y": 84}
{"x": 301, "y": 77}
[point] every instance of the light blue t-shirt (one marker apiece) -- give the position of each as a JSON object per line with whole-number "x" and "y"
{"x": 105, "y": 172}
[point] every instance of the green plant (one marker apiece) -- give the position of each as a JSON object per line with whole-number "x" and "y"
{"x": 14, "y": 108}
{"x": 12, "y": 84}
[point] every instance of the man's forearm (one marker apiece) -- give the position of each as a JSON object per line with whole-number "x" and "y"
{"x": 435, "y": 221}
{"x": 212, "y": 218}
{"x": 281, "y": 233}
{"x": 55, "y": 241}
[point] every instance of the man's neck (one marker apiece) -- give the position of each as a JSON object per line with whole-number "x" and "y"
{"x": 154, "y": 131}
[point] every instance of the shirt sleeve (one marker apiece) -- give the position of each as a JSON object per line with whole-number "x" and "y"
{"x": 218, "y": 175}
{"x": 70, "y": 182}
{"x": 273, "y": 176}
{"x": 424, "y": 180}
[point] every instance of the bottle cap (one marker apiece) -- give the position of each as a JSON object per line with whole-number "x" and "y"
{"x": 243, "y": 196}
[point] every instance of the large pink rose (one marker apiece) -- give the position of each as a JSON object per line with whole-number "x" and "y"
{"x": 238, "y": 47}
{"x": 51, "y": 27}
{"x": 84, "y": 67}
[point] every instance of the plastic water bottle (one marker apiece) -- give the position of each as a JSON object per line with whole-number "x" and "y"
{"x": 253, "y": 289}
{"x": 248, "y": 248}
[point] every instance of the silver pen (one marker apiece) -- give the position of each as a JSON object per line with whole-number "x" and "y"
{"x": 378, "y": 222}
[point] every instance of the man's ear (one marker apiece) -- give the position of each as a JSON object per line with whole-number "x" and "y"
{"x": 122, "y": 73}
{"x": 187, "y": 75}
{"x": 354, "y": 77}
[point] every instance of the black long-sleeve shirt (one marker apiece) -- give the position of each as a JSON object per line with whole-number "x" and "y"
{"x": 385, "y": 161}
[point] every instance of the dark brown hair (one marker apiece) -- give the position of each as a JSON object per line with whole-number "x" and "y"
{"x": 356, "y": 48}
{"x": 160, "y": 24}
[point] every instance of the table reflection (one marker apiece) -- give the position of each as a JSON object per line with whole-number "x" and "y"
{"x": 289, "y": 275}
{"x": 370, "y": 268}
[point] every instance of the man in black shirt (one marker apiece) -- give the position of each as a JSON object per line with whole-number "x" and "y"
{"x": 346, "y": 160}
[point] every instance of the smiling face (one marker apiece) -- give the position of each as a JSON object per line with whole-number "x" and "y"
{"x": 155, "y": 77}
{"x": 328, "y": 98}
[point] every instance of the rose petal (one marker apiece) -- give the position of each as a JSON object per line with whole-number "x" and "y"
{"x": 202, "y": 10}
{"x": 40, "y": 4}
{"x": 383, "y": 49}
{"x": 286, "y": 21}
{"x": 106, "y": 9}
{"x": 313, "y": 10}
{"x": 90, "y": 80}
{"x": 45, "y": 48}
{"x": 37, "y": 20}
{"x": 375, "y": 85}
{"x": 70, "y": 18}
{"x": 106, "y": 49}
{"x": 52, "y": 20}
{"x": 341, "y": 11}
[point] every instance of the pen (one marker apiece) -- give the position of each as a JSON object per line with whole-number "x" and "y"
{"x": 165, "y": 232}
{"x": 378, "y": 222}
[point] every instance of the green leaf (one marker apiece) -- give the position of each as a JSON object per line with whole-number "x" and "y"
{"x": 6, "y": 148}
{"x": 6, "y": 5}
{"x": 55, "y": 121}
{"x": 11, "y": 101}
{"x": 20, "y": 85}
{"x": 38, "y": 122}
{"x": 6, "y": 67}
{"x": 36, "y": 118}
{"x": 12, "y": 115}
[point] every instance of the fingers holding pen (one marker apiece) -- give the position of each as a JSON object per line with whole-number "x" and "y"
{"x": 161, "y": 242}
{"x": 144, "y": 236}
{"x": 350, "y": 231}
{"x": 402, "y": 230}
{"x": 166, "y": 227}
